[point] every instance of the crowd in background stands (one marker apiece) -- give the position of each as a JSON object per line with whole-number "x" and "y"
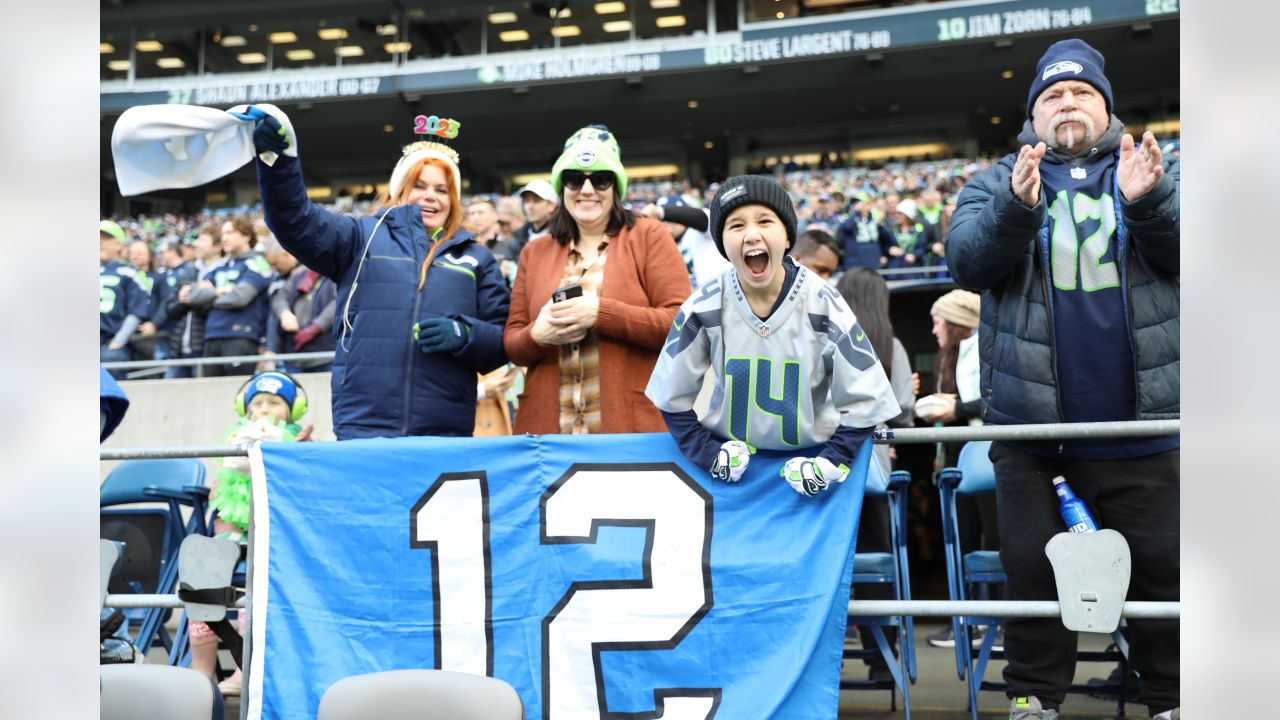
{"x": 890, "y": 217}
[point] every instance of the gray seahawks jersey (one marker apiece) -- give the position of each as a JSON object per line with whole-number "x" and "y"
{"x": 783, "y": 383}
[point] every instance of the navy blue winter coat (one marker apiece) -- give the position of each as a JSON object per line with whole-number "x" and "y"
{"x": 993, "y": 246}
{"x": 383, "y": 385}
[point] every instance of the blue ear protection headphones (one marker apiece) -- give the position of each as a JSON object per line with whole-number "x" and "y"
{"x": 275, "y": 383}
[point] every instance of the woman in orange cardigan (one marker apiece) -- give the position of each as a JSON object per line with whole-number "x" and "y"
{"x": 621, "y": 280}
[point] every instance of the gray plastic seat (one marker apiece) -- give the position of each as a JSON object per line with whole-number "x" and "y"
{"x": 420, "y": 695}
{"x": 157, "y": 692}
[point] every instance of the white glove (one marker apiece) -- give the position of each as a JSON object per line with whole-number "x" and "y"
{"x": 731, "y": 461}
{"x": 810, "y": 476}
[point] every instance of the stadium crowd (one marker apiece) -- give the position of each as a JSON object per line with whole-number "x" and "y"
{"x": 893, "y": 216}
{"x": 542, "y": 295}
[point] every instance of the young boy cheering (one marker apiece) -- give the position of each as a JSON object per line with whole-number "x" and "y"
{"x": 793, "y": 369}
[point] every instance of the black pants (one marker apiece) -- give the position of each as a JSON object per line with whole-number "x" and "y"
{"x": 1137, "y": 497}
{"x": 230, "y": 347}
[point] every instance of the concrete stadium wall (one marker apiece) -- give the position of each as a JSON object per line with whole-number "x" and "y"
{"x": 199, "y": 412}
{"x": 165, "y": 413}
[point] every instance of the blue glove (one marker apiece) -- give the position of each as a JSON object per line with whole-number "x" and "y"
{"x": 270, "y": 136}
{"x": 440, "y": 334}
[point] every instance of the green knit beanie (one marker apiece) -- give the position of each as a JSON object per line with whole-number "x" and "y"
{"x": 591, "y": 148}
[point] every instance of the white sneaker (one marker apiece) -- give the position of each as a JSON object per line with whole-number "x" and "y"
{"x": 1029, "y": 708}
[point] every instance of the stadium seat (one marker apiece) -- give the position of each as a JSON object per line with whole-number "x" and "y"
{"x": 157, "y": 692}
{"x": 151, "y": 535}
{"x": 420, "y": 695}
{"x": 979, "y": 573}
{"x": 887, "y": 568}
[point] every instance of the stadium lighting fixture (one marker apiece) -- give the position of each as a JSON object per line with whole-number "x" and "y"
{"x": 996, "y": 119}
{"x": 502, "y": 18}
{"x": 709, "y": 145}
{"x": 1007, "y": 74}
{"x": 300, "y": 54}
{"x": 118, "y": 65}
{"x": 388, "y": 29}
{"x": 566, "y": 31}
{"x": 617, "y": 26}
{"x": 252, "y": 58}
{"x": 398, "y": 47}
{"x": 664, "y": 4}
{"x": 780, "y": 15}
{"x": 387, "y": 128}
{"x": 513, "y": 35}
{"x": 609, "y": 8}
{"x": 693, "y": 104}
{"x": 332, "y": 34}
{"x": 106, "y": 48}
{"x": 148, "y": 46}
{"x": 233, "y": 41}
{"x": 671, "y": 21}
{"x": 282, "y": 38}
{"x": 561, "y": 14}
{"x": 349, "y": 51}
{"x": 170, "y": 63}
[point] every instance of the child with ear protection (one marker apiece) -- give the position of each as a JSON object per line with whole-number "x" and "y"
{"x": 270, "y": 405}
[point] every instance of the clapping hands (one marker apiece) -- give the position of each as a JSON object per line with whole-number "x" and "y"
{"x": 1140, "y": 168}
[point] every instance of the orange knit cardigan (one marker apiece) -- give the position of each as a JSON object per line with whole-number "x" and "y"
{"x": 645, "y": 281}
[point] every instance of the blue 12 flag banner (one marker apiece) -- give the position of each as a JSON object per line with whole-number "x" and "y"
{"x": 602, "y": 576}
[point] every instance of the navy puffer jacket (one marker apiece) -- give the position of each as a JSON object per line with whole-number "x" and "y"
{"x": 992, "y": 247}
{"x": 383, "y": 386}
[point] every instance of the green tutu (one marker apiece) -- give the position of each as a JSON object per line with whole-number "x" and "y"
{"x": 234, "y": 489}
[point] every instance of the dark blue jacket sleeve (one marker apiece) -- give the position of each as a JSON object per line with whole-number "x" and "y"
{"x": 186, "y": 275}
{"x": 886, "y": 239}
{"x": 990, "y": 229}
{"x": 846, "y": 236}
{"x": 137, "y": 299}
{"x": 159, "y": 294}
{"x": 844, "y": 444}
{"x": 321, "y": 240}
{"x": 484, "y": 351}
{"x": 695, "y": 441}
{"x": 1154, "y": 220}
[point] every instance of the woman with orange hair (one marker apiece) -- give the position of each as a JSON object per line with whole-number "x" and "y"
{"x": 421, "y": 305}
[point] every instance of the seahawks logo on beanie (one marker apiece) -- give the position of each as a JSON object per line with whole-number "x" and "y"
{"x": 751, "y": 190}
{"x": 590, "y": 148}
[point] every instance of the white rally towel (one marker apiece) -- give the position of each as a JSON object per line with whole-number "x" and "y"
{"x": 159, "y": 147}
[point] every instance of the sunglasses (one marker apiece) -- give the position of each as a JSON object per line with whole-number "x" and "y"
{"x": 574, "y": 179}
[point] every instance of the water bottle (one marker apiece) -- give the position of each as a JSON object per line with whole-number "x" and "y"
{"x": 1074, "y": 512}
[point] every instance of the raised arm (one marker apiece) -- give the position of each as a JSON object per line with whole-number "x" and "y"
{"x": 990, "y": 229}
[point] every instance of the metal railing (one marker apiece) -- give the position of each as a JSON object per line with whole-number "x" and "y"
{"x": 859, "y": 608}
{"x": 1047, "y": 431}
{"x": 890, "y": 272}
{"x": 914, "y": 608}
{"x": 155, "y": 367}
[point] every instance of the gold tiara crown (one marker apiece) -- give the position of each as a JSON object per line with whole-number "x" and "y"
{"x": 441, "y": 148}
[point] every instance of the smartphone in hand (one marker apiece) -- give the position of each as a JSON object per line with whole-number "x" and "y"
{"x": 566, "y": 292}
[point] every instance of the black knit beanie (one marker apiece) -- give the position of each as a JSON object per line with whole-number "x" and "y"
{"x": 751, "y": 190}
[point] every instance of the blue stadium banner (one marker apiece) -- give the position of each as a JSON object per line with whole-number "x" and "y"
{"x": 602, "y": 576}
